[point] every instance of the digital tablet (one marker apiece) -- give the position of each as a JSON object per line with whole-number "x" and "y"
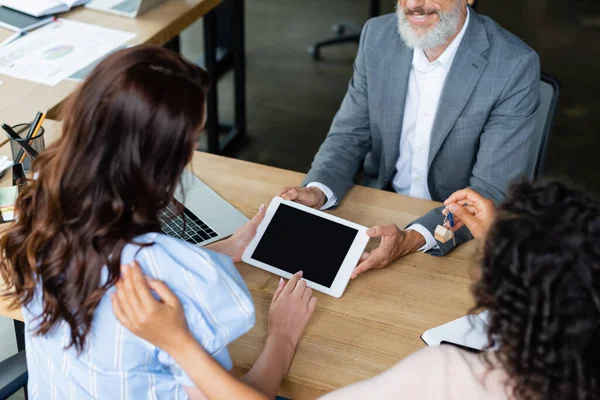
{"x": 293, "y": 238}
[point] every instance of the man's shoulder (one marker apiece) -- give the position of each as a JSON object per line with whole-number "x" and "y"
{"x": 504, "y": 44}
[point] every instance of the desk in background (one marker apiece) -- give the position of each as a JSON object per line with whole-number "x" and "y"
{"x": 382, "y": 314}
{"x": 21, "y": 99}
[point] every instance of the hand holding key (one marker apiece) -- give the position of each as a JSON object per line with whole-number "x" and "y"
{"x": 469, "y": 208}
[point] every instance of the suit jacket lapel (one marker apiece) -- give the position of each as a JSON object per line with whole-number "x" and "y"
{"x": 394, "y": 100}
{"x": 466, "y": 70}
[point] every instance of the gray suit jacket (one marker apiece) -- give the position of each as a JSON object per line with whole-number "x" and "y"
{"x": 482, "y": 130}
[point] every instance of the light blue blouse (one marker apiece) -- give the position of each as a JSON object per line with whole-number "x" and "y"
{"x": 118, "y": 365}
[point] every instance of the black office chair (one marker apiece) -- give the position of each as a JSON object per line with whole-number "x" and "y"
{"x": 13, "y": 370}
{"x": 13, "y": 375}
{"x": 549, "y": 98}
{"x": 342, "y": 36}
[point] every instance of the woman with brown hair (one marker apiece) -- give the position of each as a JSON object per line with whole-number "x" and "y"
{"x": 127, "y": 135}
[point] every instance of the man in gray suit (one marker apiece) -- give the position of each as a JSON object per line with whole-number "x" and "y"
{"x": 441, "y": 99}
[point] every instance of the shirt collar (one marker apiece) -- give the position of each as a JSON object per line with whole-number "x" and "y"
{"x": 447, "y": 57}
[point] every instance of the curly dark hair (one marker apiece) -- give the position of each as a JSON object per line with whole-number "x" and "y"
{"x": 541, "y": 283}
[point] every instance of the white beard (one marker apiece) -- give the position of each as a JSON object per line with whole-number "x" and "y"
{"x": 434, "y": 37}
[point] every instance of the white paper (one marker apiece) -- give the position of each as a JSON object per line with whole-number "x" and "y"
{"x": 58, "y": 50}
{"x": 470, "y": 331}
{"x": 37, "y": 8}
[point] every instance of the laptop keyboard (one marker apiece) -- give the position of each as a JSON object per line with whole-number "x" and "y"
{"x": 192, "y": 230}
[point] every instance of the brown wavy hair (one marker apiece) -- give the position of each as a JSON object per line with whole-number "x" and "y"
{"x": 541, "y": 284}
{"x": 127, "y": 135}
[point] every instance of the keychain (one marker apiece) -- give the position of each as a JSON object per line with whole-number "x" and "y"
{"x": 442, "y": 234}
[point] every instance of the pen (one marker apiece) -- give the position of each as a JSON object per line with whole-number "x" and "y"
{"x": 13, "y": 135}
{"x": 12, "y": 38}
{"x": 34, "y": 128}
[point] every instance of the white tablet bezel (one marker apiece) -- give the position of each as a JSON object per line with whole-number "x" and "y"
{"x": 350, "y": 261}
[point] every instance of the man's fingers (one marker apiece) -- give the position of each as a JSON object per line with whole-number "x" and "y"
{"x": 285, "y": 190}
{"x": 291, "y": 284}
{"x": 280, "y": 288}
{"x": 363, "y": 266}
{"x": 164, "y": 292}
{"x": 305, "y": 196}
{"x": 382, "y": 230}
{"x": 291, "y": 194}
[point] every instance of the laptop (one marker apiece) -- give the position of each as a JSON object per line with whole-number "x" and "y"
{"x": 127, "y": 8}
{"x": 206, "y": 217}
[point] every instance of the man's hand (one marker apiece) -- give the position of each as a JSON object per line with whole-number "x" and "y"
{"x": 310, "y": 197}
{"x": 471, "y": 209}
{"x": 395, "y": 243}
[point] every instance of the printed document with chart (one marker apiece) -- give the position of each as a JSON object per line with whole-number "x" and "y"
{"x": 56, "y": 51}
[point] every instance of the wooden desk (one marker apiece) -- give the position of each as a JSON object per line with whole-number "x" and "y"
{"x": 382, "y": 314}
{"x": 21, "y": 99}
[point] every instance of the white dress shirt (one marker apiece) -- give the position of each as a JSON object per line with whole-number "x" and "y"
{"x": 425, "y": 85}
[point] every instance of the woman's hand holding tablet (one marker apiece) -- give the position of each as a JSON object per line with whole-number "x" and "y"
{"x": 293, "y": 238}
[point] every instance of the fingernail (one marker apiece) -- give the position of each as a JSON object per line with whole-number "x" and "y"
{"x": 281, "y": 282}
{"x": 452, "y": 207}
{"x": 261, "y": 208}
{"x": 300, "y": 273}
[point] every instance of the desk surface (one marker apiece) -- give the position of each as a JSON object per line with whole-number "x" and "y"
{"x": 22, "y": 99}
{"x": 379, "y": 319}
{"x": 382, "y": 314}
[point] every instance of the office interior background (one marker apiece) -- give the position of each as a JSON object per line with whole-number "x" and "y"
{"x": 291, "y": 98}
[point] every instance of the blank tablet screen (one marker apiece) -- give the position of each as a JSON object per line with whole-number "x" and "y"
{"x": 299, "y": 241}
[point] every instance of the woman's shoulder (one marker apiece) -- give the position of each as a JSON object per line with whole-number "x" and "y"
{"x": 217, "y": 302}
{"x": 162, "y": 252}
{"x": 463, "y": 374}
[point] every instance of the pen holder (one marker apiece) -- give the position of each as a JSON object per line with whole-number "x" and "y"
{"x": 37, "y": 143}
